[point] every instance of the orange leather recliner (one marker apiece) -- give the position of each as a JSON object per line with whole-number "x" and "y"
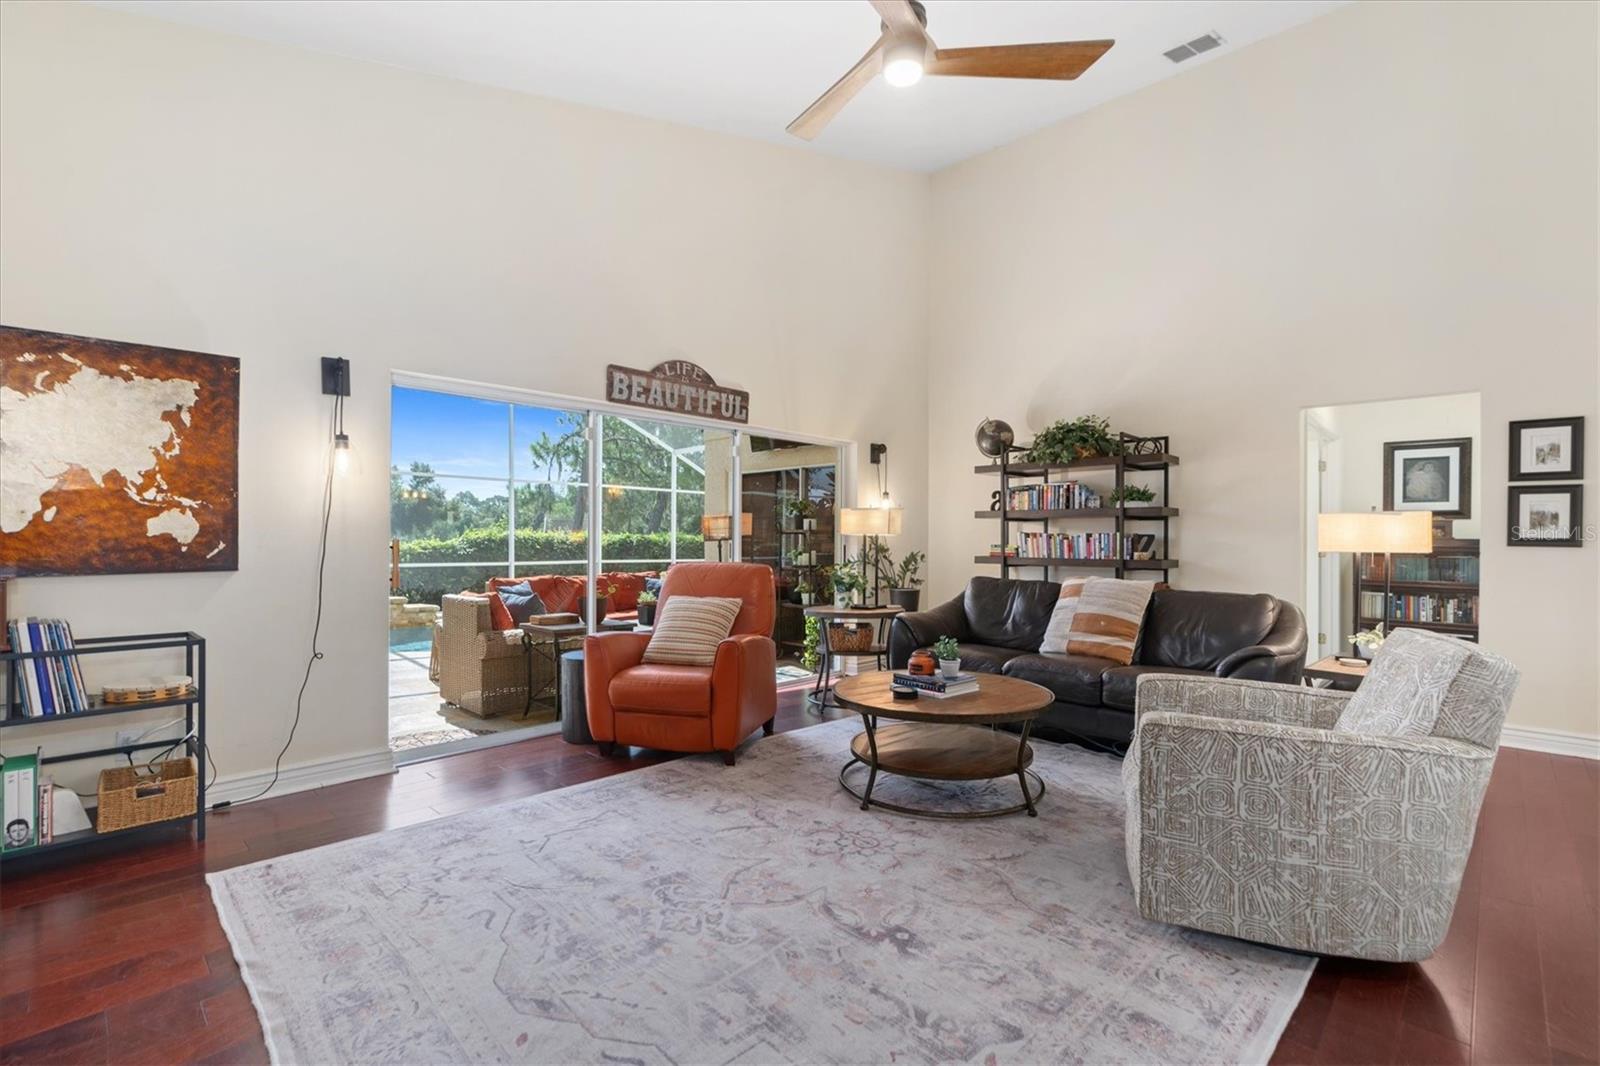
{"x": 689, "y": 708}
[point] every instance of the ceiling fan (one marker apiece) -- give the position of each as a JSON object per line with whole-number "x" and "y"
{"x": 904, "y": 53}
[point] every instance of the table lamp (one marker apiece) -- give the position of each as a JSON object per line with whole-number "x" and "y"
{"x": 1377, "y": 532}
{"x": 870, "y": 523}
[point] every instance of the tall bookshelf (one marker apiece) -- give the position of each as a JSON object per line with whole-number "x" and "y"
{"x": 1106, "y": 474}
{"x": 1437, "y": 591}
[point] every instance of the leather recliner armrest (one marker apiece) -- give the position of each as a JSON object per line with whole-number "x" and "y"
{"x": 908, "y": 632}
{"x": 605, "y": 655}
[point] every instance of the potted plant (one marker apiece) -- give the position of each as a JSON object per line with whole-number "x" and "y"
{"x": 1132, "y": 494}
{"x": 802, "y": 557}
{"x": 602, "y": 593}
{"x": 906, "y": 584}
{"x": 846, "y": 584}
{"x": 1066, "y": 440}
{"x": 801, "y": 511}
{"x": 1367, "y": 641}
{"x": 948, "y": 652}
{"x": 647, "y": 608}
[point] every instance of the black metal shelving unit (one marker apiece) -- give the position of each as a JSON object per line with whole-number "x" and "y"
{"x": 194, "y": 707}
{"x": 1141, "y": 454}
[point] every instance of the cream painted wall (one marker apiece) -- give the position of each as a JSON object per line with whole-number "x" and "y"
{"x": 1385, "y": 202}
{"x": 178, "y": 187}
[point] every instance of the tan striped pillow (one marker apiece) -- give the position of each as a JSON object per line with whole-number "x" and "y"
{"x": 1055, "y": 634}
{"x": 689, "y": 628}
{"x": 1110, "y": 612}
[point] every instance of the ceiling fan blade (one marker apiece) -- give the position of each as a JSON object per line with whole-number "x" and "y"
{"x": 819, "y": 114}
{"x": 1061, "y": 61}
{"x": 898, "y": 17}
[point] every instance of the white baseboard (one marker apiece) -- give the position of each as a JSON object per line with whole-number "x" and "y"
{"x": 302, "y": 776}
{"x": 1550, "y": 741}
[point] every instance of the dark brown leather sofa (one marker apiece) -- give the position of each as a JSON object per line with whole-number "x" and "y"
{"x": 1000, "y": 624}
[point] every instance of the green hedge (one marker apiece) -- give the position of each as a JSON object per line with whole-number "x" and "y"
{"x": 428, "y": 584}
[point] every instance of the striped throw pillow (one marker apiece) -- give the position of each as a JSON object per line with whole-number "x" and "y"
{"x": 1106, "y": 624}
{"x": 1055, "y": 634}
{"x": 689, "y": 628}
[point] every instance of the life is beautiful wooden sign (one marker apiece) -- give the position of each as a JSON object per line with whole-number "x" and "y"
{"x": 677, "y": 386}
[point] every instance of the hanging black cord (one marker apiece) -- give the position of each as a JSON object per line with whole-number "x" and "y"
{"x": 336, "y": 427}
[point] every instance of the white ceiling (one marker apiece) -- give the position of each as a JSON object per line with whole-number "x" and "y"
{"x": 748, "y": 67}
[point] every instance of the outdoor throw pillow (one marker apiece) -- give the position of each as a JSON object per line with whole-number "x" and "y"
{"x": 1106, "y": 623}
{"x": 1055, "y": 634}
{"x": 689, "y": 628}
{"x": 520, "y": 603}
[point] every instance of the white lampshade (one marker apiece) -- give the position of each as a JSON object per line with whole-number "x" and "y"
{"x": 869, "y": 521}
{"x": 1395, "y": 532}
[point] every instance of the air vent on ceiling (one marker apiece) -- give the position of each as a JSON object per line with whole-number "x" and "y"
{"x": 1194, "y": 47}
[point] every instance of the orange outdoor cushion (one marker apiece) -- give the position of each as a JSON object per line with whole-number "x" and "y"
{"x": 628, "y": 587}
{"x": 662, "y": 689}
{"x": 561, "y": 593}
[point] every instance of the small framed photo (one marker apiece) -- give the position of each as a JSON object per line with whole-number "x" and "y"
{"x": 1547, "y": 449}
{"x": 1429, "y": 475}
{"x": 1549, "y": 516}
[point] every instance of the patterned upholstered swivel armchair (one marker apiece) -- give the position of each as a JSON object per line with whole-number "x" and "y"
{"x": 1316, "y": 820}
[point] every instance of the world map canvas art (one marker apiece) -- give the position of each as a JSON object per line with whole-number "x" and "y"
{"x": 116, "y": 458}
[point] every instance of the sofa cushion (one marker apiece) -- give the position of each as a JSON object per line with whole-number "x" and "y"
{"x": 512, "y": 605}
{"x": 1120, "y": 683}
{"x": 561, "y": 593}
{"x": 1072, "y": 678}
{"x": 625, "y": 589}
{"x": 689, "y": 629}
{"x": 1109, "y": 617}
{"x": 1009, "y": 614}
{"x": 1197, "y": 630}
{"x": 1055, "y": 634}
{"x": 1406, "y": 685}
{"x": 982, "y": 659}
{"x": 662, "y": 689}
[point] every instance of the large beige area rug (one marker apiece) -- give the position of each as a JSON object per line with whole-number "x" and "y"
{"x": 697, "y": 913}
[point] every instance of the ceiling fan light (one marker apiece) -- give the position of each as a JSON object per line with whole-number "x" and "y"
{"x": 902, "y": 62}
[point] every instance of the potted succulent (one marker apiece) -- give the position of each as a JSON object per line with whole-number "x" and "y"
{"x": 905, "y": 589}
{"x": 948, "y": 652}
{"x": 647, "y": 608}
{"x": 1132, "y": 494}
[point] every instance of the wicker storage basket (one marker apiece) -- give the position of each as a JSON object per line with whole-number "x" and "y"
{"x": 847, "y": 638}
{"x": 129, "y": 798}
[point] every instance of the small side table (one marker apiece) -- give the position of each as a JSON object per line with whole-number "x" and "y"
{"x": 574, "y": 708}
{"x": 541, "y": 639}
{"x": 820, "y": 698}
{"x": 1343, "y": 676}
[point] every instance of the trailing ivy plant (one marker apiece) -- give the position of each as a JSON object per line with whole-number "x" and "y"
{"x": 810, "y": 655}
{"x": 1068, "y": 439}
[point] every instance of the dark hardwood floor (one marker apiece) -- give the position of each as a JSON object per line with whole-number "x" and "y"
{"x": 118, "y": 957}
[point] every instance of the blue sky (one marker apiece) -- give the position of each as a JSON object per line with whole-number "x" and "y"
{"x": 463, "y": 435}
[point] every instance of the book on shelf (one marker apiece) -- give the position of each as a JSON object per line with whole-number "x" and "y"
{"x": 1454, "y": 569}
{"x": 47, "y": 686}
{"x": 937, "y": 683}
{"x": 1455, "y": 610}
{"x": 1055, "y": 496}
{"x": 19, "y": 801}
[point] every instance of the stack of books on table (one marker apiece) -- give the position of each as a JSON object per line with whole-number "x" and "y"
{"x": 938, "y": 686}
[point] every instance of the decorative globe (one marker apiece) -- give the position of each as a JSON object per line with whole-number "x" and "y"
{"x": 994, "y": 437}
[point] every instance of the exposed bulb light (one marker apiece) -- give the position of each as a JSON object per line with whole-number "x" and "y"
{"x": 341, "y": 453}
{"x": 902, "y": 62}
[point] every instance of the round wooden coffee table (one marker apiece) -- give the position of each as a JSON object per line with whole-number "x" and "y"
{"x": 944, "y": 739}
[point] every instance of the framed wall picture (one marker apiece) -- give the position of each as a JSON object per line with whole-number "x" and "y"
{"x": 1429, "y": 475}
{"x": 1547, "y": 449}
{"x": 1549, "y": 516}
